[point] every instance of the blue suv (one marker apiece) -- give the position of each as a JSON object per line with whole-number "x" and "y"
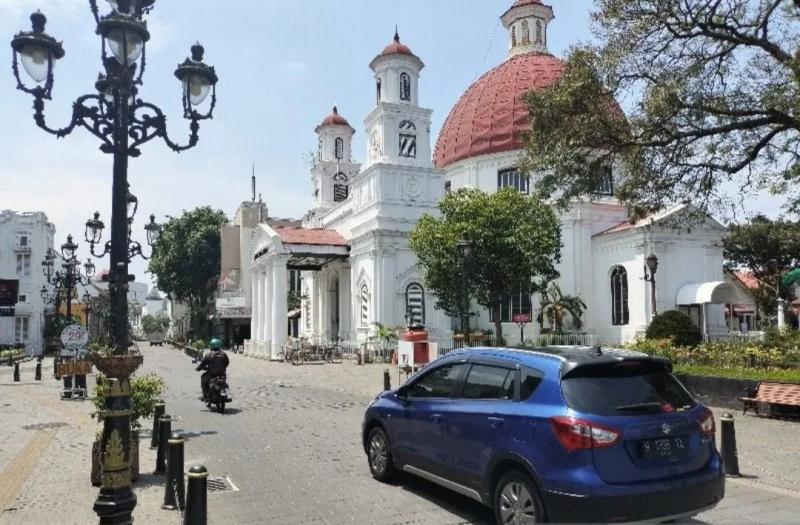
{"x": 561, "y": 434}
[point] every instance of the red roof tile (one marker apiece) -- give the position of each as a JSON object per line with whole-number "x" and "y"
{"x": 311, "y": 236}
{"x": 747, "y": 279}
{"x": 334, "y": 119}
{"x": 396, "y": 48}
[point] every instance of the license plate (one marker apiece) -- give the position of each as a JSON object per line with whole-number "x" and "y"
{"x": 663, "y": 448}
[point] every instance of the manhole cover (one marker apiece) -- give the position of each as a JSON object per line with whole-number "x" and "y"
{"x": 44, "y": 426}
{"x": 221, "y": 485}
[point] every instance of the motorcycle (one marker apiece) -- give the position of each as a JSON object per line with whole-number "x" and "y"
{"x": 218, "y": 393}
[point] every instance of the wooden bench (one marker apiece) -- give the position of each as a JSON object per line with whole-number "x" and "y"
{"x": 784, "y": 394}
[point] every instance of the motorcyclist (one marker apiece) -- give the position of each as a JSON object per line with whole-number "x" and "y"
{"x": 214, "y": 363}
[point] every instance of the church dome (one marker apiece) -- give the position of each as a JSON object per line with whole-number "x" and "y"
{"x": 492, "y": 115}
{"x": 334, "y": 119}
{"x": 396, "y": 48}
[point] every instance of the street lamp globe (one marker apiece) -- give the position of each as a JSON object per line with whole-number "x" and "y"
{"x": 125, "y": 36}
{"x": 153, "y": 230}
{"x": 44, "y": 293}
{"x": 652, "y": 263}
{"x": 69, "y": 248}
{"x": 38, "y": 53}
{"x": 133, "y": 205}
{"x": 89, "y": 268}
{"x": 199, "y": 80}
{"x": 94, "y": 229}
{"x": 464, "y": 247}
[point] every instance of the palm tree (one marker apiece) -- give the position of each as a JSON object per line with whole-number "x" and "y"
{"x": 555, "y": 306}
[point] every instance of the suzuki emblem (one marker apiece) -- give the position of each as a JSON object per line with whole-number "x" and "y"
{"x": 666, "y": 428}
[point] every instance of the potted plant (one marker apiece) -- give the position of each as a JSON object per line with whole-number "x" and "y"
{"x": 146, "y": 391}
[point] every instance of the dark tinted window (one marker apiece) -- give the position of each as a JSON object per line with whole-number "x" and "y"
{"x": 485, "y": 382}
{"x": 530, "y": 381}
{"x": 438, "y": 383}
{"x": 625, "y": 389}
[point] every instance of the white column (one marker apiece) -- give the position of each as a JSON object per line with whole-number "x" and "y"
{"x": 267, "y": 289}
{"x": 255, "y": 317}
{"x": 280, "y": 278}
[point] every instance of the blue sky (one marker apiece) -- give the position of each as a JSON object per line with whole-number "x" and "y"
{"x": 282, "y": 66}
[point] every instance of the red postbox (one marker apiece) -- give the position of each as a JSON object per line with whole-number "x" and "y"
{"x": 418, "y": 336}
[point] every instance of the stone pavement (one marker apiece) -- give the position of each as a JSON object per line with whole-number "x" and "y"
{"x": 291, "y": 448}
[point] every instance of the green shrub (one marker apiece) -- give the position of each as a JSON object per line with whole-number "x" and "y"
{"x": 674, "y": 325}
{"x": 199, "y": 344}
{"x": 752, "y": 374}
{"x": 145, "y": 392}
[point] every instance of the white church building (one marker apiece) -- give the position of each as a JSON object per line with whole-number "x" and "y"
{"x": 353, "y": 251}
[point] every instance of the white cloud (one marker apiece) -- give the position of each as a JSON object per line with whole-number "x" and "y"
{"x": 297, "y": 66}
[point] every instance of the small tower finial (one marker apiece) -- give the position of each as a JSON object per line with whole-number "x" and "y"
{"x": 396, "y": 34}
{"x": 335, "y": 110}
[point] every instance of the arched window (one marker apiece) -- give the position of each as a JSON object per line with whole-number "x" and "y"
{"x": 415, "y": 303}
{"x": 364, "y": 305}
{"x": 605, "y": 182}
{"x": 539, "y": 32}
{"x": 512, "y": 178}
{"x": 378, "y": 87}
{"x": 619, "y": 296}
{"x": 526, "y": 33}
{"x": 340, "y": 188}
{"x": 408, "y": 139}
{"x": 513, "y": 36}
{"x": 338, "y": 149}
{"x": 405, "y": 87}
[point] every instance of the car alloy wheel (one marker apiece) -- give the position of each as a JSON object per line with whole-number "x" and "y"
{"x": 378, "y": 453}
{"x": 516, "y": 501}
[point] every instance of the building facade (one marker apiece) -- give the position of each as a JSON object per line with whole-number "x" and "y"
{"x": 352, "y": 250}
{"x": 24, "y": 241}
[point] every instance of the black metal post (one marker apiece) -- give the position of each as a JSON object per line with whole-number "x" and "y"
{"x": 387, "y": 381}
{"x": 174, "y": 489}
{"x": 164, "y": 432}
{"x": 116, "y": 501}
{"x": 38, "y": 376}
{"x": 196, "y": 512}
{"x": 16, "y": 372}
{"x": 157, "y": 413}
{"x": 728, "y": 451}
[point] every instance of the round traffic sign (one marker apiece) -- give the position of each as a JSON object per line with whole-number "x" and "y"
{"x": 74, "y": 337}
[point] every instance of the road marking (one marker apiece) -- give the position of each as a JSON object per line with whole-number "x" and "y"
{"x": 18, "y": 470}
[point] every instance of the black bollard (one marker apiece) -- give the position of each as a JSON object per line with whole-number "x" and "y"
{"x": 16, "y": 372}
{"x": 387, "y": 381}
{"x": 38, "y": 374}
{"x": 164, "y": 431}
{"x": 196, "y": 512}
{"x": 730, "y": 457}
{"x": 10, "y": 359}
{"x": 56, "y": 375}
{"x": 157, "y": 413}
{"x": 174, "y": 489}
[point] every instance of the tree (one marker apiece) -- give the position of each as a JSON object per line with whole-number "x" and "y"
{"x": 555, "y": 307}
{"x": 711, "y": 98}
{"x": 515, "y": 242}
{"x": 155, "y": 324}
{"x": 767, "y": 249}
{"x": 186, "y": 262}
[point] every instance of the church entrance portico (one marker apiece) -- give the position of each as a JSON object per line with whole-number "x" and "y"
{"x": 275, "y": 252}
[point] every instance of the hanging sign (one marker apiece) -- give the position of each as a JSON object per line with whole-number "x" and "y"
{"x": 74, "y": 337}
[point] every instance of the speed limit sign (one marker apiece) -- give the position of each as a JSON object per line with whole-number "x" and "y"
{"x": 74, "y": 337}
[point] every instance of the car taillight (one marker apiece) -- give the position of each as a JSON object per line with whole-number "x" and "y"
{"x": 707, "y": 425}
{"x": 578, "y": 434}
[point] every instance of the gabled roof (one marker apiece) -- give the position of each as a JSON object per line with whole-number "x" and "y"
{"x": 312, "y": 236}
{"x": 661, "y": 216}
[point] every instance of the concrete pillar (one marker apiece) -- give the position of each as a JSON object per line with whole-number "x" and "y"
{"x": 280, "y": 309}
{"x": 781, "y": 314}
{"x": 268, "y": 293}
{"x": 345, "y": 313}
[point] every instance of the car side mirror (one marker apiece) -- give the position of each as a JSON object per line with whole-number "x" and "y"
{"x": 402, "y": 395}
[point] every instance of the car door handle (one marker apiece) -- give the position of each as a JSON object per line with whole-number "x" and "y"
{"x": 496, "y": 422}
{"x": 436, "y": 418}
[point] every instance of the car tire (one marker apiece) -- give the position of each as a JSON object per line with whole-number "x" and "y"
{"x": 379, "y": 455}
{"x": 516, "y": 500}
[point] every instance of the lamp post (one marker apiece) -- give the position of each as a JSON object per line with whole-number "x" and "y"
{"x": 651, "y": 264}
{"x": 66, "y": 280}
{"x": 122, "y": 122}
{"x": 464, "y": 247}
{"x": 86, "y": 308}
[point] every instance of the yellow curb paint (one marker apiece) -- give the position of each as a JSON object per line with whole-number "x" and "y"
{"x": 18, "y": 470}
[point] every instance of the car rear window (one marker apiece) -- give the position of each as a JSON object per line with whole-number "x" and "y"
{"x": 627, "y": 388}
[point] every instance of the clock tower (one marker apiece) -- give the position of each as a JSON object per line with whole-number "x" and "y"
{"x": 334, "y": 168}
{"x": 398, "y": 129}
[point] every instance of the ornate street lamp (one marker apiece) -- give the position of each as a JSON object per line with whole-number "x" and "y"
{"x": 123, "y": 122}
{"x": 651, "y": 264}
{"x": 464, "y": 247}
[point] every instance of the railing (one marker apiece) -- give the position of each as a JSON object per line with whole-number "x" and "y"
{"x": 542, "y": 340}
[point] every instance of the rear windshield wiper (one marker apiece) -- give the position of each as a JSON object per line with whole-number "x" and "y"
{"x": 639, "y": 406}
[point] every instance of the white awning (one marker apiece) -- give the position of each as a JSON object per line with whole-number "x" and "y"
{"x": 715, "y": 292}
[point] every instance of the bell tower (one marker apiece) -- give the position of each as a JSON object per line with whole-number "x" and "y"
{"x": 526, "y": 22}
{"x": 398, "y": 129}
{"x": 333, "y": 169}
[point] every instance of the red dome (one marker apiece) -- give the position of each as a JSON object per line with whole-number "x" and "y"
{"x": 397, "y": 48}
{"x": 334, "y": 119}
{"x": 491, "y": 116}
